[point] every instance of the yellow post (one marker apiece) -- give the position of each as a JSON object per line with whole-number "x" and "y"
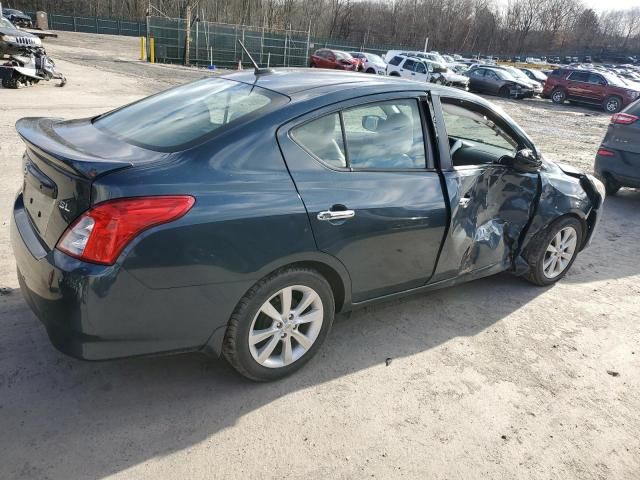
{"x": 143, "y": 48}
{"x": 153, "y": 50}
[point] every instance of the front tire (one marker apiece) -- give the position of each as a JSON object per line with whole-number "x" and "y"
{"x": 280, "y": 324}
{"x": 553, "y": 251}
{"x": 504, "y": 92}
{"x": 612, "y": 104}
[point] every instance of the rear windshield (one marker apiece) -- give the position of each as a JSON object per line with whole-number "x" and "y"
{"x": 181, "y": 117}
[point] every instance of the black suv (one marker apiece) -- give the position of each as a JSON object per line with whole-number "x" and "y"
{"x": 618, "y": 158}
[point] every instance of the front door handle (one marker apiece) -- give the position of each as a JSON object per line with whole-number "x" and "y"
{"x": 337, "y": 215}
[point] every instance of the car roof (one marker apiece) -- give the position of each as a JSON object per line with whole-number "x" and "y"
{"x": 309, "y": 83}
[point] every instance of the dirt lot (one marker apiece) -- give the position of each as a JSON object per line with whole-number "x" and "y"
{"x": 493, "y": 379}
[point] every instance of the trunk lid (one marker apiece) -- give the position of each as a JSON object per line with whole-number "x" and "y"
{"x": 61, "y": 161}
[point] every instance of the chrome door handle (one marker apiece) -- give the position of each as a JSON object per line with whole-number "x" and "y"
{"x": 337, "y": 215}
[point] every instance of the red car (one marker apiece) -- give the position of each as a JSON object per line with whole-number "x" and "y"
{"x": 589, "y": 86}
{"x": 334, "y": 59}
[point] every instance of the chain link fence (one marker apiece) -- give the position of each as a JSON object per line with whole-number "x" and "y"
{"x": 108, "y": 26}
{"x": 217, "y": 44}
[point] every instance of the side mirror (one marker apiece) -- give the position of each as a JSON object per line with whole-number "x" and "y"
{"x": 524, "y": 161}
{"x": 371, "y": 122}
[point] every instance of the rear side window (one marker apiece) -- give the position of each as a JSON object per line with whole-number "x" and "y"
{"x": 323, "y": 138}
{"x": 579, "y": 76}
{"x": 178, "y": 118}
{"x": 395, "y": 61}
{"x": 384, "y": 135}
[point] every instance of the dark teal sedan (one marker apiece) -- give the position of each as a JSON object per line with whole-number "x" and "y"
{"x": 237, "y": 215}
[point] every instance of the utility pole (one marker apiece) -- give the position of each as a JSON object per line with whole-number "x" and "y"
{"x": 426, "y": 42}
{"x": 187, "y": 40}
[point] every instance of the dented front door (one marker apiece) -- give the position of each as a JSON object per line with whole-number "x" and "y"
{"x": 490, "y": 207}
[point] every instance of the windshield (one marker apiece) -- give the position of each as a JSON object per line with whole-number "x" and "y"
{"x": 504, "y": 74}
{"x": 373, "y": 58}
{"x": 518, "y": 74}
{"x": 614, "y": 80}
{"x": 538, "y": 74}
{"x": 6, "y": 23}
{"x": 342, "y": 55}
{"x": 177, "y": 118}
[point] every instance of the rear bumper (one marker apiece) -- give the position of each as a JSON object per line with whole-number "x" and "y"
{"x": 96, "y": 312}
{"x": 618, "y": 169}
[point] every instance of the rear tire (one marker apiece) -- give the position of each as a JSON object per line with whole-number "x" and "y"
{"x": 268, "y": 346}
{"x": 612, "y": 104}
{"x": 610, "y": 185}
{"x": 558, "y": 96}
{"x": 370, "y": 70}
{"x": 553, "y": 250}
{"x": 394, "y": 74}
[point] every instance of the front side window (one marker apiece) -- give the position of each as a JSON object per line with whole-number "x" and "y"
{"x": 383, "y": 135}
{"x": 420, "y": 68}
{"x": 178, "y": 117}
{"x": 409, "y": 65}
{"x": 478, "y": 73}
{"x": 474, "y": 137}
{"x": 596, "y": 79}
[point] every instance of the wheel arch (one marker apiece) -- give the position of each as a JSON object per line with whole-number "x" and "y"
{"x": 330, "y": 268}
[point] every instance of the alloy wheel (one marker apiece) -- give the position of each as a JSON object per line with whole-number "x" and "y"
{"x": 560, "y": 252}
{"x": 286, "y": 326}
{"x": 613, "y": 105}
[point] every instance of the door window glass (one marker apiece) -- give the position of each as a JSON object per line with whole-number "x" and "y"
{"x": 385, "y": 135}
{"x": 478, "y": 73}
{"x": 409, "y": 65}
{"x": 579, "y": 76}
{"x": 323, "y": 138}
{"x": 473, "y": 136}
{"x": 395, "y": 61}
{"x": 420, "y": 68}
{"x": 596, "y": 79}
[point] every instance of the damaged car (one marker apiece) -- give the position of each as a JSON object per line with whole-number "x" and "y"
{"x": 24, "y": 60}
{"x": 18, "y": 18}
{"x": 240, "y": 222}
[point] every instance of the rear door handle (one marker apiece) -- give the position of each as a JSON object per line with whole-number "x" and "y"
{"x": 337, "y": 215}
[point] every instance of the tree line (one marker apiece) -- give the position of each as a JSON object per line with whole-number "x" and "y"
{"x": 466, "y": 26}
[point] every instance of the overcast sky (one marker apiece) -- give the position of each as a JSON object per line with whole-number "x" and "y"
{"x": 601, "y": 5}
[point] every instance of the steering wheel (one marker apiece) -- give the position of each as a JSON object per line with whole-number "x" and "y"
{"x": 455, "y": 147}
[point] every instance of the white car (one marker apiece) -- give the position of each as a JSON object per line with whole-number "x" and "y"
{"x": 371, "y": 63}
{"x": 433, "y": 56}
{"x": 422, "y": 70}
{"x": 412, "y": 68}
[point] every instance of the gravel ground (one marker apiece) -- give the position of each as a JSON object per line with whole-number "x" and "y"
{"x": 492, "y": 379}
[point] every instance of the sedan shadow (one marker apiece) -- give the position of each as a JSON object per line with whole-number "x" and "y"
{"x": 66, "y": 416}
{"x": 614, "y": 248}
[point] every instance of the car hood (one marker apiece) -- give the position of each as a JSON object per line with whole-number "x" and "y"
{"x": 15, "y": 32}
{"x": 455, "y": 77}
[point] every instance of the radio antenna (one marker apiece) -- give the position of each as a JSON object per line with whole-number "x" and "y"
{"x": 256, "y": 68}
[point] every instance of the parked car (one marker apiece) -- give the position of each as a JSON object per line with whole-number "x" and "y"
{"x": 589, "y": 86}
{"x": 519, "y": 75}
{"x": 412, "y": 68}
{"x": 334, "y": 59}
{"x": 371, "y": 63}
{"x": 433, "y": 56}
{"x": 240, "y": 222}
{"x": 496, "y": 81}
{"x": 18, "y": 18}
{"x": 535, "y": 75}
{"x": 618, "y": 159}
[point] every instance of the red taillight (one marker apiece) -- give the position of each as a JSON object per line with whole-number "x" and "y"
{"x": 603, "y": 152}
{"x": 623, "y": 119}
{"x": 100, "y": 234}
